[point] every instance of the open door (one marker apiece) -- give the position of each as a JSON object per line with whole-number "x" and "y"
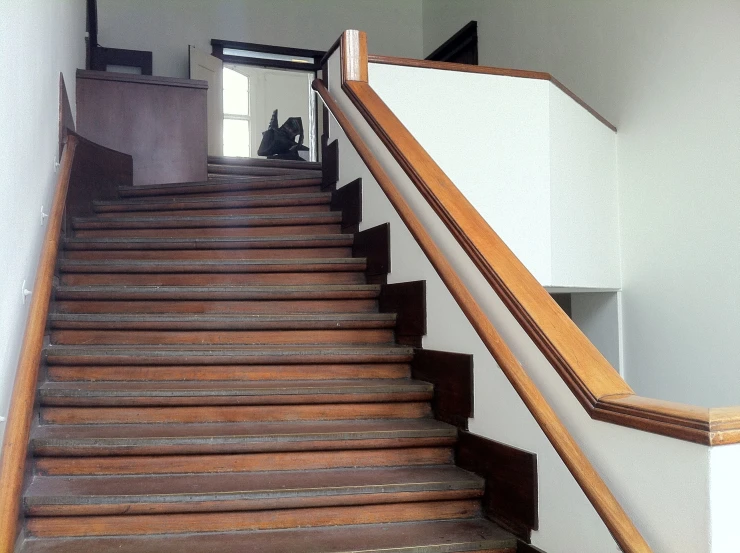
{"x": 209, "y": 68}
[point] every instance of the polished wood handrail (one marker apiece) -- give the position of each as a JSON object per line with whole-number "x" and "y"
{"x": 599, "y": 388}
{"x": 500, "y": 71}
{"x": 611, "y": 512}
{"x": 17, "y": 431}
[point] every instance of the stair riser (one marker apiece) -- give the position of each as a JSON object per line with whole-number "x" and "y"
{"x": 303, "y": 189}
{"x": 246, "y": 201}
{"x": 211, "y": 447}
{"x": 214, "y": 414}
{"x": 212, "y": 279}
{"x": 246, "y": 307}
{"x": 295, "y": 399}
{"x": 152, "y": 222}
{"x": 230, "y": 337}
{"x": 199, "y": 323}
{"x": 208, "y": 255}
{"x": 198, "y": 243}
{"x": 221, "y": 170}
{"x": 215, "y": 211}
{"x": 257, "y": 462}
{"x": 237, "y": 232}
{"x": 185, "y": 267}
{"x": 62, "y": 373}
{"x": 247, "y": 507}
{"x": 223, "y": 522}
{"x": 273, "y": 185}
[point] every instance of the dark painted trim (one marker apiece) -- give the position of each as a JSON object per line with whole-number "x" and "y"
{"x": 464, "y": 38}
{"x": 219, "y": 45}
{"x": 330, "y": 165}
{"x": 348, "y": 200}
{"x": 375, "y": 245}
{"x": 452, "y": 376}
{"x": 408, "y": 301}
{"x": 527, "y": 548}
{"x": 511, "y": 481}
{"x": 101, "y": 58}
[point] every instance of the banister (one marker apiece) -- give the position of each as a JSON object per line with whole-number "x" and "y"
{"x": 595, "y": 383}
{"x": 17, "y": 431}
{"x": 408, "y": 153}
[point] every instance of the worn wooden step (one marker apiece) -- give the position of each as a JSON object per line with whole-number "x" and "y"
{"x": 176, "y": 414}
{"x": 206, "y": 221}
{"x": 205, "y": 373}
{"x": 190, "y": 523}
{"x": 104, "y": 440}
{"x": 252, "y": 307}
{"x": 214, "y": 266}
{"x": 208, "y": 254}
{"x": 444, "y": 536}
{"x": 243, "y": 293}
{"x": 283, "y": 210}
{"x": 289, "y": 165}
{"x": 184, "y": 203}
{"x": 232, "y": 393}
{"x": 224, "y": 355}
{"x": 197, "y": 243}
{"x": 221, "y": 321}
{"x": 215, "y": 232}
{"x": 235, "y": 185}
{"x": 213, "y": 279}
{"x": 242, "y": 462}
{"x": 245, "y": 491}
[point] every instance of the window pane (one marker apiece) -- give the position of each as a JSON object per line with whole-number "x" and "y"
{"x": 236, "y": 138}
{"x": 236, "y": 92}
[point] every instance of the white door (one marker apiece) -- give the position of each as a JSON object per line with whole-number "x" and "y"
{"x": 209, "y": 68}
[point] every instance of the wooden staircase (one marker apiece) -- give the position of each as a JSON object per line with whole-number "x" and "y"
{"x": 220, "y": 377}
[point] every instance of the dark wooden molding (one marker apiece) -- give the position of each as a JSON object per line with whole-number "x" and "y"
{"x": 408, "y": 301}
{"x": 330, "y": 165}
{"x": 348, "y": 200}
{"x": 66, "y": 120}
{"x": 452, "y": 376}
{"x": 463, "y": 44}
{"x": 97, "y": 172}
{"x": 218, "y": 46}
{"x": 511, "y": 481}
{"x": 375, "y": 245}
{"x": 141, "y": 79}
{"x": 465, "y": 68}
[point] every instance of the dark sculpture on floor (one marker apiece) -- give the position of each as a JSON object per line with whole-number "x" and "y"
{"x": 279, "y": 142}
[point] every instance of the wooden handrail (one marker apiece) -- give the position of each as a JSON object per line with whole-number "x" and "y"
{"x": 353, "y": 51}
{"x": 598, "y": 387}
{"x": 17, "y": 431}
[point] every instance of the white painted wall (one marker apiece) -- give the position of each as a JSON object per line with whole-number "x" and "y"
{"x": 662, "y": 483}
{"x": 167, "y": 27}
{"x": 38, "y": 39}
{"x": 535, "y": 164}
{"x": 667, "y": 74}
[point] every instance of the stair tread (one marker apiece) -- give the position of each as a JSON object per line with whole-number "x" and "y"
{"x": 110, "y": 434}
{"x": 221, "y": 292}
{"x": 334, "y": 215}
{"x": 279, "y": 179}
{"x": 175, "y": 488}
{"x": 230, "y": 388}
{"x": 216, "y": 201}
{"x": 237, "y": 317}
{"x": 411, "y": 537}
{"x": 219, "y": 241}
{"x": 217, "y": 262}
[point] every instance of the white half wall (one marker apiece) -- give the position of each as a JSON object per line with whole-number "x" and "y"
{"x": 662, "y": 483}
{"x": 667, "y": 74}
{"x": 38, "y": 40}
{"x": 167, "y": 27}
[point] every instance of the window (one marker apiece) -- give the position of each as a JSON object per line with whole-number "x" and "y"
{"x": 237, "y": 120}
